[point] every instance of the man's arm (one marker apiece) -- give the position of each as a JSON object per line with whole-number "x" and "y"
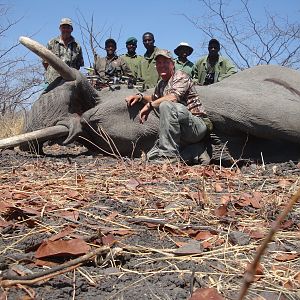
{"x": 80, "y": 61}
{"x": 227, "y": 69}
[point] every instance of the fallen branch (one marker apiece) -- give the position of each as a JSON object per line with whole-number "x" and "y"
{"x": 50, "y": 273}
{"x": 250, "y": 273}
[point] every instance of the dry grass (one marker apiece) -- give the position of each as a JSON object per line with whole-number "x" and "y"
{"x": 178, "y": 203}
{"x": 11, "y": 124}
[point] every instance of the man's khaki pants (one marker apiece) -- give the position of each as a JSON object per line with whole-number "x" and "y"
{"x": 180, "y": 133}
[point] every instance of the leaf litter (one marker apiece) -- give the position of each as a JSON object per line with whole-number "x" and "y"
{"x": 177, "y": 232}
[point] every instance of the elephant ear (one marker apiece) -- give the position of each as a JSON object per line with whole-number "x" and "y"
{"x": 67, "y": 73}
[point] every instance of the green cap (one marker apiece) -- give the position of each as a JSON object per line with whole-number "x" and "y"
{"x": 131, "y": 40}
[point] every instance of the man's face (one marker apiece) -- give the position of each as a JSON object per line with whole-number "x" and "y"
{"x": 131, "y": 47}
{"x": 110, "y": 49}
{"x": 213, "y": 49}
{"x": 148, "y": 41}
{"x": 183, "y": 52}
{"x": 164, "y": 67}
{"x": 65, "y": 30}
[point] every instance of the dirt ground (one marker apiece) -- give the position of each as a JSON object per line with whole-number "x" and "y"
{"x": 161, "y": 231}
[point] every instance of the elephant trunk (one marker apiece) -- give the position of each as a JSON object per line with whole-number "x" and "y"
{"x": 62, "y": 68}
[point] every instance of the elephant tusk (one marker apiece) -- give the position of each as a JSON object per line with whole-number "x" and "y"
{"x": 61, "y": 67}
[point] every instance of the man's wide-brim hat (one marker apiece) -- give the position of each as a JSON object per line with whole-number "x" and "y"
{"x": 184, "y": 45}
{"x": 66, "y": 21}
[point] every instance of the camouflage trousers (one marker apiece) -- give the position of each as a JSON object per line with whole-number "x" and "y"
{"x": 180, "y": 133}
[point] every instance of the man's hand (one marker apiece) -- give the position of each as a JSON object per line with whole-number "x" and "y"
{"x": 145, "y": 111}
{"x": 132, "y": 99}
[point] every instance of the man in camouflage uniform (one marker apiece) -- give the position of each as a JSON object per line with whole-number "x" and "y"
{"x": 213, "y": 67}
{"x": 184, "y": 50}
{"x": 66, "y": 48}
{"x": 112, "y": 66}
{"x": 182, "y": 119}
{"x": 147, "y": 70}
{"x": 131, "y": 58}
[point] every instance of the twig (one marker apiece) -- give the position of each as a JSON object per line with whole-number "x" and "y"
{"x": 57, "y": 270}
{"x": 74, "y": 284}
{"x": 249, "y": 275}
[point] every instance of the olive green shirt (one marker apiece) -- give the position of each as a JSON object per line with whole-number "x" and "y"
{"x": 186, "y": 67}
{"x": 70, "y": 54}
{"x": 222, "y": 69}
{"x": 108, "y": 68}
{"x": 147, "y": 70}
{"x": 132, "y": 62}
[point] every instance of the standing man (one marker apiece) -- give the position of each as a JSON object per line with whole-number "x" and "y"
{"x": 112, "y": 65}
{"x": 147, "y": 69}
{"x": 213, "y": 67}
{"x": 131, "y": 58}
{"x": 182, "y": 119}
{"x": 66, "y": 48}
{"x": 184, "y": 50}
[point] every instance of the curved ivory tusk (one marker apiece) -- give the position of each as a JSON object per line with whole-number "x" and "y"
{"x": 61, "y": 67}
{"x": 38, "y": 135}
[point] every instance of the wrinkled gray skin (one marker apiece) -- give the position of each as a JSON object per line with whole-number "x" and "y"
{"x": 255, "y": 113}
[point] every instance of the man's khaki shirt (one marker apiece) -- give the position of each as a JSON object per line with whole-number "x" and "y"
{"x": 108, "y": 68}
{"x": 222, "y": 69}
{"x": 186, "y": 67}
{"x": 147, "y": 70}
{"x": 132, "y": 62}
{"x": 70, "y": 54}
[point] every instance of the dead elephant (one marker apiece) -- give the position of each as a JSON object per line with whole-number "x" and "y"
{"x": 255, "y": 113}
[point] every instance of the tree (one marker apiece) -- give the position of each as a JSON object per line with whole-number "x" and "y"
{"x": 246, "y": 41}
{"x": 19, "y": 79}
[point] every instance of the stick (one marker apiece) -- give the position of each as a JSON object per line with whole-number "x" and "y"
{"x": 57, "y": 270}
{"x": 249, "y": 275}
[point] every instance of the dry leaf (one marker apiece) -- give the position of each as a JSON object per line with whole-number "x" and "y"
{"x": 5, "y": 206}
{"x": 70, "y": 215}
{"x": 73, "y": 195}
{"x": 221, "y": 211}
{"x": 218, "y": 187}
{"x": 132, "y": 183}
{"x": 112, "y": 215}
{"x": 286, "y": 256}
{"x": 206, "y": 294}
{"x": 256, "y": 234}
{"x": 4, "y": 223}
{"x": 283, "y": 183}
{"x": 108, "y": 240}
{"x": 287, "y": 224}
{"x": 19, "y": 196}
{"x": 66, "y": 231}
{"x": 256, "y": 200}
{"x": 225, "y": 199}
{"x": 206, "y": 245}
{"x": 203, "y": 235}
{"x": 62, "y": 248}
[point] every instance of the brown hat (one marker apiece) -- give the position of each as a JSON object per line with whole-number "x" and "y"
{"x": 66, "y": 21}
{"x": 163, "y": 52}
{"x": 185, "y": 45}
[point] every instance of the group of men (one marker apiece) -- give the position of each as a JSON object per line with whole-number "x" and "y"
{"x": 183, "y": 123}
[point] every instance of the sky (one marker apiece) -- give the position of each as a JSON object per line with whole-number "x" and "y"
{"x": 122, "y": 19}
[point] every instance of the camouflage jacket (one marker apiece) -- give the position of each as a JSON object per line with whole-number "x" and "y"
{"x": 222, "y": 69}
{"x": 70, "y": 54}
{"x": 186, "y": 67}
{"x": 182, "y": 86}
{"x": 109, "y": 68}
{"x": 147, "y": 70}
{"x": 132, "y": 62}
